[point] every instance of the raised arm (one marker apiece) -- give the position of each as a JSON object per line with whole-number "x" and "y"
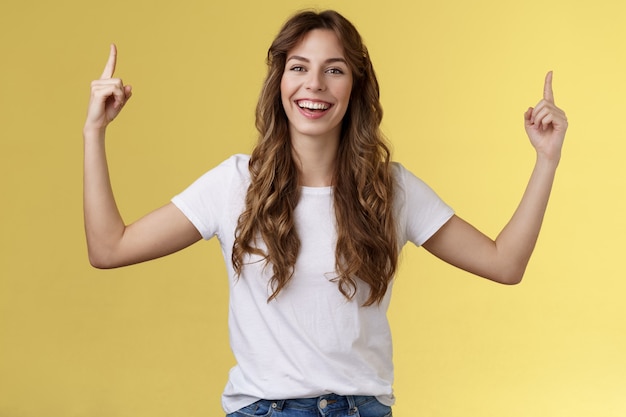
{"x": 110, "y": 242}
{"x": 505, "y": 259}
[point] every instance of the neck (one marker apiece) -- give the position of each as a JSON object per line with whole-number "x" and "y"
{"x": 315, "y": 158}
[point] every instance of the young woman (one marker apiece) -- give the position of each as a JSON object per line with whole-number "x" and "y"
{"x": 311, "y": 225}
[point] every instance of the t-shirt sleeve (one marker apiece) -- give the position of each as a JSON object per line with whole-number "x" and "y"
{"x": 206, "y": 201}
{"x": 420, "y": 211}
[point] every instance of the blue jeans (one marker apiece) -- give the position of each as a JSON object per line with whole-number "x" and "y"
{"x": 330, "y": 405}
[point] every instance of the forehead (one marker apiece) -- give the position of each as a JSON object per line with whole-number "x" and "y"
{"x": 322, "y": 43}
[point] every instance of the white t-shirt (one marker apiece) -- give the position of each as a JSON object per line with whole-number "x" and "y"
{"x": 310, "y": 340}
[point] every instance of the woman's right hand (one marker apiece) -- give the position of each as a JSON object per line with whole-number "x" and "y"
{"x": 108, "y": 96}
{"x": 110, "y": 242}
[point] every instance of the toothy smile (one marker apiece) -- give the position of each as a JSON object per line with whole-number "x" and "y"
{"x": 313, "y": 105}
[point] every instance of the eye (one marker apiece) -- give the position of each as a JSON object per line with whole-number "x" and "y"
{"x": 336, "y": 71}
{"x": 297, "y": 68}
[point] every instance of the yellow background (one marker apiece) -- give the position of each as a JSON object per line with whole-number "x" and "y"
{"x": 456, "y": 76}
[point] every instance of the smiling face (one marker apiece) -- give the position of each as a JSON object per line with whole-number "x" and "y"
{"x": 316, "y": 86}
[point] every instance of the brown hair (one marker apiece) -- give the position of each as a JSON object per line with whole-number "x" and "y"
{"x": 363, "y": 182}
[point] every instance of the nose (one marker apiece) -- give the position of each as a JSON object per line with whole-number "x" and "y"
{"x": 315, "y": 81}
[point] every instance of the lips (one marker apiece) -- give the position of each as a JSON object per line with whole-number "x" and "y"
{"x": 313, "y": 109}
{"x": 313, "y": 105}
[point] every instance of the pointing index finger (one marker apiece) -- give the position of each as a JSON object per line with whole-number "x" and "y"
{"x": 548, "y": 94}
{"x": 109, "y": 68}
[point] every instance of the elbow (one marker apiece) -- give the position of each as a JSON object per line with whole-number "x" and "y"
{"x": 98, "y": 263}
{"x": 512, "y": 280}
{"x": 99, "y": 259}
{"x": 512, "y": 276}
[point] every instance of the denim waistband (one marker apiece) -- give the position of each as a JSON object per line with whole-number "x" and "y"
{"x": 324, "y": 402}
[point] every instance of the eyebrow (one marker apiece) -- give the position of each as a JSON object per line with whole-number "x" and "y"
{"x": 328, "y": 61}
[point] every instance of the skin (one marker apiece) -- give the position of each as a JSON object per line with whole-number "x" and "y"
{"x": 316, "y": 71}
{"x": 505, "y": 259}
{"x": 112, "y": 243}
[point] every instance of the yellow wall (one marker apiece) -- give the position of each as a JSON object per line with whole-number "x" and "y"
{"x": 151, "y": 340}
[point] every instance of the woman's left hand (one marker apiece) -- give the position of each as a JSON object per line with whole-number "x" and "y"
{"x": 546, "y": 124}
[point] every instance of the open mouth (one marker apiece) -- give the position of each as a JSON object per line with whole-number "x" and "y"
{"x": 313, "y": 106}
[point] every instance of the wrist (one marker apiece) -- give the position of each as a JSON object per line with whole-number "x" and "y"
{"x": 93, "y": 132}
{"x": 548, "y": 161}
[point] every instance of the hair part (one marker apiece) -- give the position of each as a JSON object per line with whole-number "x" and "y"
{"x": 367, "y": 248}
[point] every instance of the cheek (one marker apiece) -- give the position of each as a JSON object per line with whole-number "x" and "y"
{"x": 284, "y": 91}
{"x": 347, "y": 89}
{"x": 347, "y": 94}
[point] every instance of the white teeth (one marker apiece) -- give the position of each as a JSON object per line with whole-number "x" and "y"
{"x": 313, "y": 105}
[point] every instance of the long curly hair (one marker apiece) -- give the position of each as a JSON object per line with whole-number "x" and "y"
{"x": 367, "y": 248}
